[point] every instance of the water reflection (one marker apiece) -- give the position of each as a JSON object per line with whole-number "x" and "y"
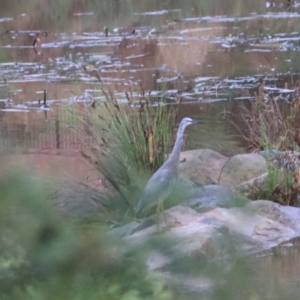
{"x": 190, "y": 48}
{"x": 272, "y": 274}
{"x": 196, "y": 52}
{"x": 275, "y": 275}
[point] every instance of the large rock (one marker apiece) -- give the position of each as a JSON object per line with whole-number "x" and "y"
{"x": 210, "y": 167}
{"x": 213, "y": 227}
{"x": 202, "y": 166}
{"x": 219, "y": 232}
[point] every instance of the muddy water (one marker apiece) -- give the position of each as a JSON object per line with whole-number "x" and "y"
{"x": 273, "y": 274}
{"x": 211, "y": 55}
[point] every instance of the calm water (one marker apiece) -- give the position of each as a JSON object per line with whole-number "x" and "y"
{"x": 202, "y": 52}
{"x": 210, "y": 54}
{"x": 273, "y": 274}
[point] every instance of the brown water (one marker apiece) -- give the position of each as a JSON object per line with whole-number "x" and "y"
{"x": 273, "y": 274}
{"x": 204, "y": 53}
{"x": 211, "y": 54}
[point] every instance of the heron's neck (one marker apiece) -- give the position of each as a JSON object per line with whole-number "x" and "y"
{"x": 174, "y": 156}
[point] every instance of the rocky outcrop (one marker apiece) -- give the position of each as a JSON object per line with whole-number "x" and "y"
{"x": 257, "y": 226}
{"x": 210, "y": 167}
{"x": 214, "y": 225}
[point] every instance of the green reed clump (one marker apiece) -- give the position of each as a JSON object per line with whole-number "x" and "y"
{"x": 140, "y": 129}
{"x": 278, "y": 186}
{"x": 274, "y": 126}
{"x": 270, "y": 124}
{"x": 127, "y": 140}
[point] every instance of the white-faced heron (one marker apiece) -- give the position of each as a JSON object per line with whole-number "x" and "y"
{"x": 162, "y": 182}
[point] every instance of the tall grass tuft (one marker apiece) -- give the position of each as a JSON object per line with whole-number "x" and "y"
{"x": 270, "y": 124}
{"x": 278, "y": 186}
{"x": 127, "y": 139}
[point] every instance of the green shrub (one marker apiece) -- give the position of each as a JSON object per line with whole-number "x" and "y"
{"x": 44, "y": 255}
{"x": 278, "y": 187}
{"x": 274, "y": 126}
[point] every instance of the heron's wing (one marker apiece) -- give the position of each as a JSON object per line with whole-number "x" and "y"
{"x": 157, "y": 189}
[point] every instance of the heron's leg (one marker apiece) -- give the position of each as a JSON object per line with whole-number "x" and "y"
{"x": 163, "y": 213}
{"x": 160, "y": 210}
{"x": 157, "y": 213}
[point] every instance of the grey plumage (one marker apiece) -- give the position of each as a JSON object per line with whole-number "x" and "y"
{"x": 163, "y": 181}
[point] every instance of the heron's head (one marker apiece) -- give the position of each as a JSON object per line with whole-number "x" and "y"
{"x": 188, "y": 121}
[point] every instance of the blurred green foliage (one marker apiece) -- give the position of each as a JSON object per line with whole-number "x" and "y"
{"x": 44, "y": 255}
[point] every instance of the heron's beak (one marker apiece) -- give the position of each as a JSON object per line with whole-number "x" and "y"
{"x": 197, "y": 121}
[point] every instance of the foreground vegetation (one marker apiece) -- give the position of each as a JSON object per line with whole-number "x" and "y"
{"x": 44, "y": 255}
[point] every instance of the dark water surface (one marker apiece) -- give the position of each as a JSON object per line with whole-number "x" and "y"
{"x": 202, "y": 52}
{"x": 210, "y": 54}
